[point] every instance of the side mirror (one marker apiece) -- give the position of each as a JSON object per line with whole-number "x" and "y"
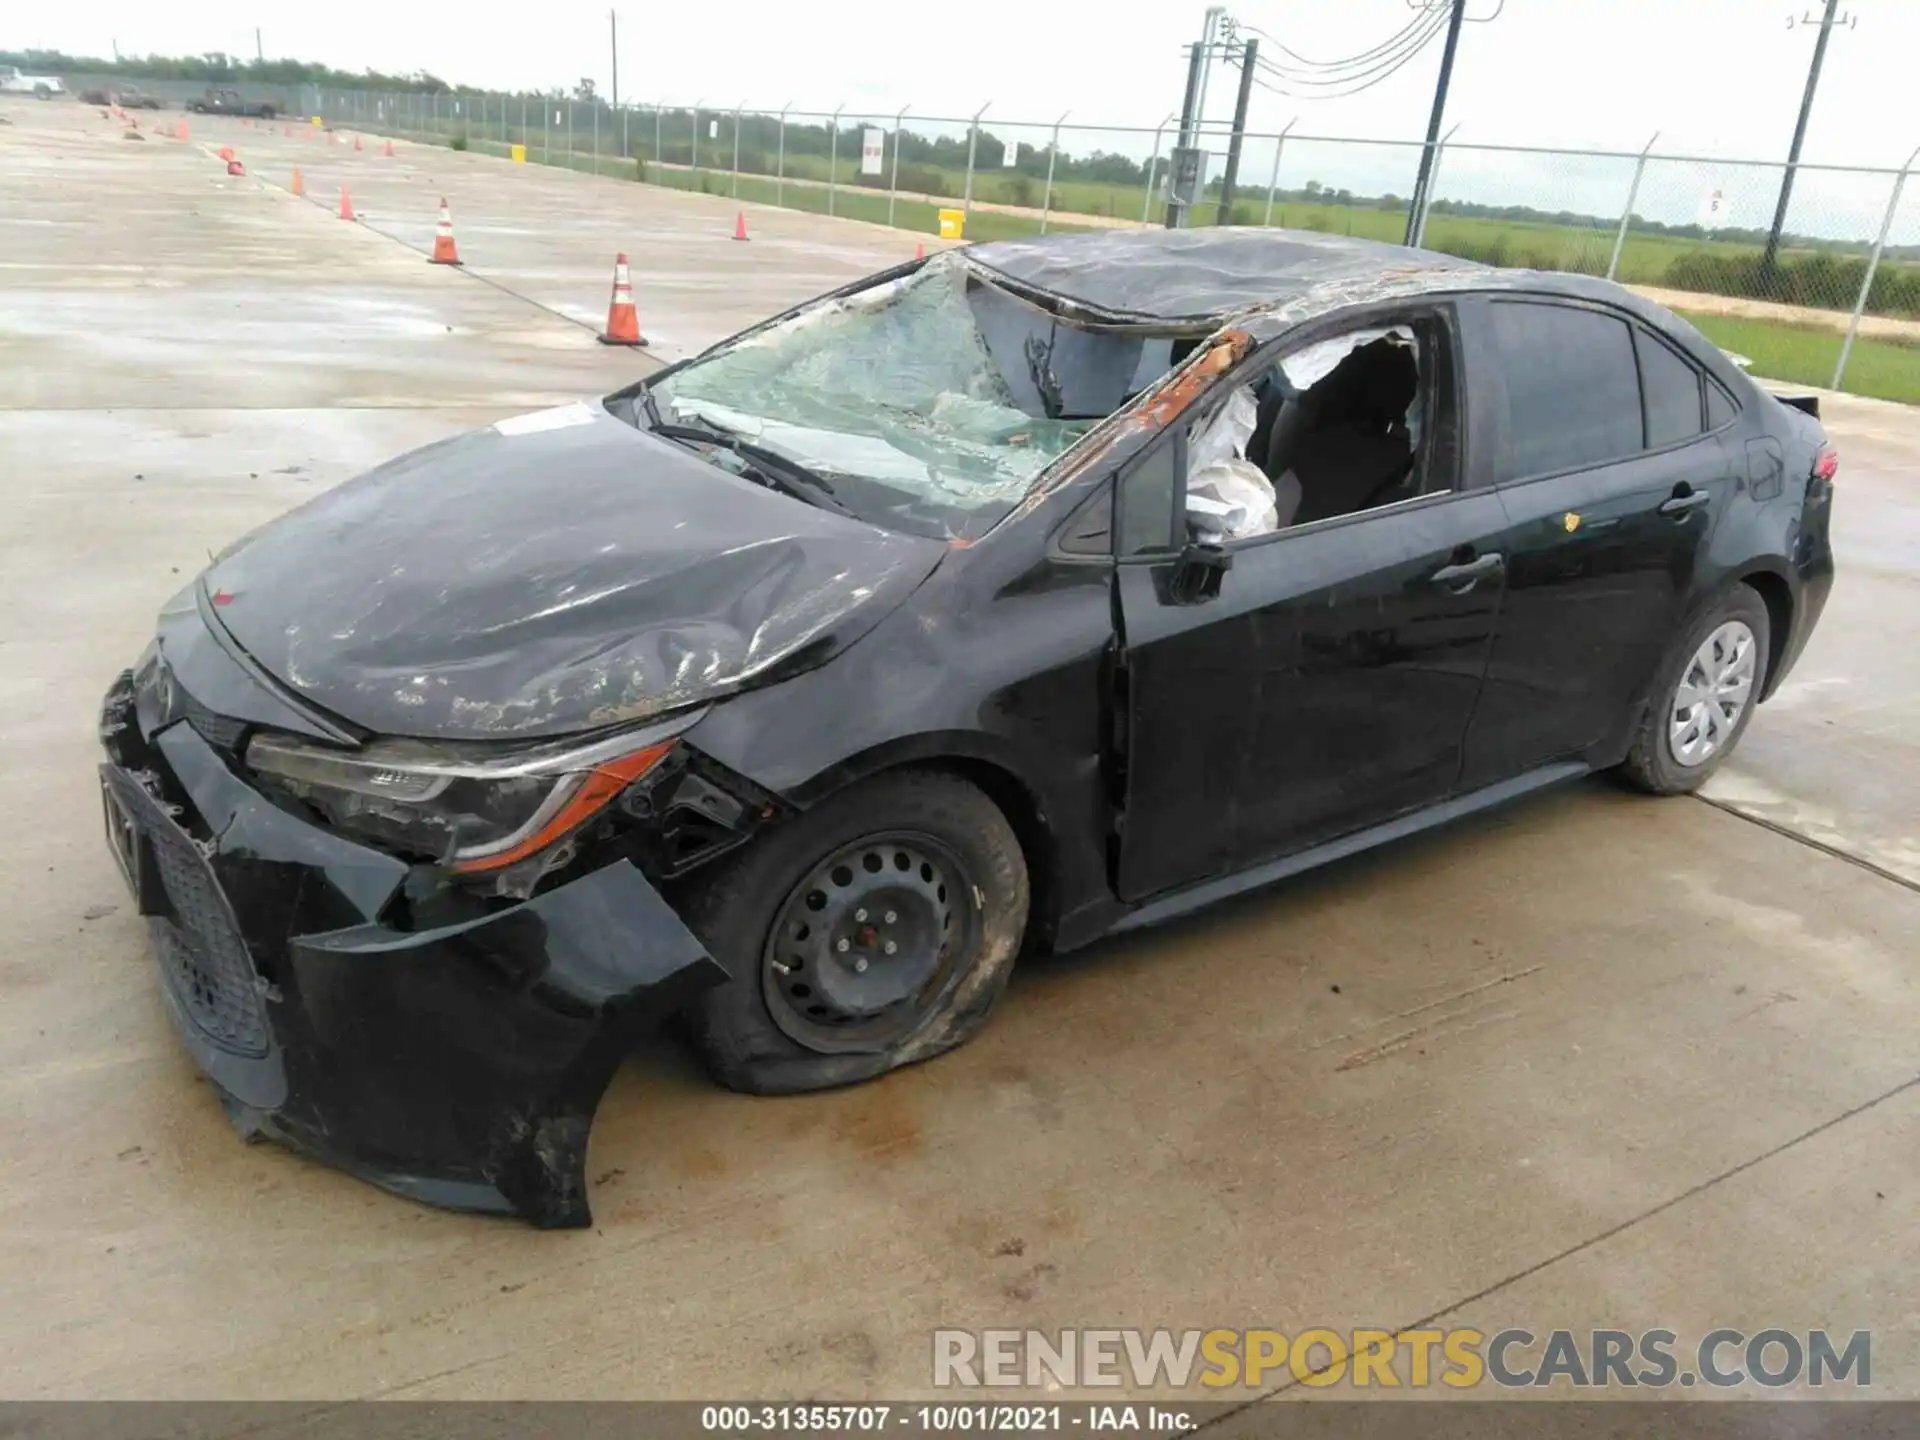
{"x": 1196, "y": 575}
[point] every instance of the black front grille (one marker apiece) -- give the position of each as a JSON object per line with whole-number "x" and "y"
{"x": 217, "y": 730}
{"x": 202, "y": 956}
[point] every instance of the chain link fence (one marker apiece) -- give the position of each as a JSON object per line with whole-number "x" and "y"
{"x": 1835, "y": 303}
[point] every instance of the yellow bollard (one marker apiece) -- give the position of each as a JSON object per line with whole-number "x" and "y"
{"x": 519, "y": 154}
{"x": 953, "y": 224}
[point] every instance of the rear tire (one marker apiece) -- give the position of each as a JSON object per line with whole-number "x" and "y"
{"x": 915, "y": 878}
{"x": 1702, "y": 696}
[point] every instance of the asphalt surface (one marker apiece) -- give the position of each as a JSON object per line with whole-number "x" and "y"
{"x": 1593, "y": 1061}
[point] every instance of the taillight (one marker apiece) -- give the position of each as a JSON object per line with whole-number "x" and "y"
{"x": 1826, "y": 464}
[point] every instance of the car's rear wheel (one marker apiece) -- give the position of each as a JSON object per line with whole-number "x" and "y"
{"x": 1702, "y": 697}
{"x": 876, "y": 930}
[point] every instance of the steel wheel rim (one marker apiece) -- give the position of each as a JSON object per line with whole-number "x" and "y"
{"x": 830, "y": 981}
{"x": 1712, "y": 694}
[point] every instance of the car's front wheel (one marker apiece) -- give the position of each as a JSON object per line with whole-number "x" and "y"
{"x": 1702, "y": 697}
{"x": 877, "y": 929}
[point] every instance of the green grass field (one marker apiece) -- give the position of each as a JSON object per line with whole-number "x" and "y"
{"x": 1884, "y": 369}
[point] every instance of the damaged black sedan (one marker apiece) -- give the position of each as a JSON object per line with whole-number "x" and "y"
{"x": 1000, "y": 601}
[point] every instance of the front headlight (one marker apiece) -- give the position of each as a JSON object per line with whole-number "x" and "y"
{"x": 471, "y": 809}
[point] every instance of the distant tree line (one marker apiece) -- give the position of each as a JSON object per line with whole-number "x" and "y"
{"x": 218, "y": 68}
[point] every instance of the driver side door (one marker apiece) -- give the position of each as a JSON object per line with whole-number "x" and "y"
{"x": 1298, "y": 685}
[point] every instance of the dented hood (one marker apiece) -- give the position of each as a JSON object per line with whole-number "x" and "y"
{"x": 550, "y": 575}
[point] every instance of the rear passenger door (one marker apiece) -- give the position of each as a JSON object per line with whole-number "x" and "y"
{"x": 1611, "y": 480}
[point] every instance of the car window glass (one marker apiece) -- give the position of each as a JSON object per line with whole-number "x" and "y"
{"x": 1720, "y": 409}
{"x": 1146, "y": 501}
{"x": 1671, "y": 389}
{"x": 1573, "y": 390}
{"x": 1090, "y": 531}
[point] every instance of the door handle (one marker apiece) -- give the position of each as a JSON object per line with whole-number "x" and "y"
{"x": 1464, "y": 575}
{"x": 1684, "y": 500}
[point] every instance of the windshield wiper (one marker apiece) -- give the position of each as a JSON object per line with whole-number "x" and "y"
{"x": 773, "y": 468}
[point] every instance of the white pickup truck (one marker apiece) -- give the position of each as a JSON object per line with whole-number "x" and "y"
{"x": 14, "y": 82}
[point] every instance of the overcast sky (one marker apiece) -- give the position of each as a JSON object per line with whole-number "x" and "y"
{"x": 1720, "y": 77}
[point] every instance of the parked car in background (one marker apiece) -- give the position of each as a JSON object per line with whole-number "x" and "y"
{"x": 1004, "y": 600}
{"x": 132, "y": 97}
{"x": 219, "y": 101}
{"x": 13, "y": 81}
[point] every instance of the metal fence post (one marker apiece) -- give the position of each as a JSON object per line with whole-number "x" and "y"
{"x": 780, "y": 161}
{"x": 658, "y": 111}
{"x": 625, "y": 111}
{"x": 546, "y": 134}
{"x": 695, "y": 152}
{"x": 569, "y": 132}
{"x": 1433, "y": 176}
{"x": 1273, "y": 180}
{"x": 1626, "y": 215}
{"x": 734, "y": 190}
{"x": 893, "y": 180}
{"x": 1153, "y": 166}
{"x": 595, "y": 102}
{"x": 833, "y": 158}
{"x": 973, "y": 138}
{"x": 1053, "y": 154}
{"x": 1873, "y": 264}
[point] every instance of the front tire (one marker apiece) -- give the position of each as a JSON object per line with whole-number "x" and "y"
{"x": 1703, "y": 695}
{"x": 876, "y": 930}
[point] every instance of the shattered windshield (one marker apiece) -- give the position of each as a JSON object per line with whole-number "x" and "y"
{"x": 939, "y": 396}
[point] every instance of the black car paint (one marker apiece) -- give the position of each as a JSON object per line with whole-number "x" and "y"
{"x": 1047, "y": 709}
{"x": 515, "y": 586}
{"x": 457, "y": 1063}
{"x": 1152, "y": 751}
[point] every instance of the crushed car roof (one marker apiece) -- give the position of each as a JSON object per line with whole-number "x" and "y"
{"x": 1193, "y": 275}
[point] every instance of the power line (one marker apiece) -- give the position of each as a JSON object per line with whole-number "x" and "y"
{"x": 1340, "y": 87}
{"x": 1332, "y": 66}
{"x": 1358, "y": 80}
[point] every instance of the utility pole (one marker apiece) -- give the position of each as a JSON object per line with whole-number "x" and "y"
{"x": 1183, "y": 167}
{"x": 1182, "y": 144}
{"x": 1770, "y": 255}
{"x": 613, "y": 34}
{"x": 259, "y": 54}
{"x": 1249, "y": 52}
{"x": 1419, "y": 205}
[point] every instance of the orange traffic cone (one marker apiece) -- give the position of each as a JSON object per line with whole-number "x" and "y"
{"x": 444, "y": 251}
{"x": 346, "y": 206}
{"x": 235, "y": 168}
{"x": 225, "y": 152}
{"x": 356, "y": 143}
{"x": 740, "y": 226}
{"x": 299, "y": 186}
{"x": 623, "y": 321}
{"x": 180, "y": 131}
{"x": 388, "y": 152}
{"x": 920, "y": 251}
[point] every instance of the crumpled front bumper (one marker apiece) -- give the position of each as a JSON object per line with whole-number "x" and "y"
{"x": 461, "y": 1065}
